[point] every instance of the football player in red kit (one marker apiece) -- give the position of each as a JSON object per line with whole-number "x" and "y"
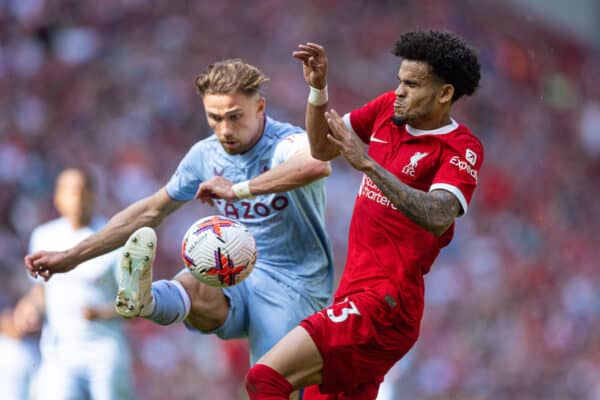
{"x": 420, "y": 172}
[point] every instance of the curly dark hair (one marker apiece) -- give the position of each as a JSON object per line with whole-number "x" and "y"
{"x": 449, "y": 57}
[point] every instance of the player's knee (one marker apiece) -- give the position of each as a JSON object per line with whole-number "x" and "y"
{"x": 264, "y": 382}
{"x": 209, "y": 306}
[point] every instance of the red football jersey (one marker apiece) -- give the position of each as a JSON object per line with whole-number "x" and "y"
{"x": 387, "y": 250}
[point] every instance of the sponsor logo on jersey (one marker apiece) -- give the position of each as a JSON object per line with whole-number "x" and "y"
{"x": 471, "y": 157}
{"x": 369, "y": 190}
{"x": 462, "y": 165}
{"x": 218, "y": 172}
{"x": 257, "y": 208}
{"x": 263, "y": 165}
{"x": 409, "y": 169}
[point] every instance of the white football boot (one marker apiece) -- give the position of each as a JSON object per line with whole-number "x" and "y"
{"x": 135, "y": 283}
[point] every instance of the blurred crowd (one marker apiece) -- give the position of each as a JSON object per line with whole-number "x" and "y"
{"x": 513, "y": 304}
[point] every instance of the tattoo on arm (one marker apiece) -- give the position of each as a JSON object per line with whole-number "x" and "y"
{"x": 434, "y": 211}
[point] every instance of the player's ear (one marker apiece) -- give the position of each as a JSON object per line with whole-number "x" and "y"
{"x": 446, "y": 93}
{"x": 261, "y": 105}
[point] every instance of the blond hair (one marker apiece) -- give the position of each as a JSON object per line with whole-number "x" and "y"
{"x": 230, "y": 76}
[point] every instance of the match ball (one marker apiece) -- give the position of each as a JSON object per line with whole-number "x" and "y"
{"x": 219, "y": 251}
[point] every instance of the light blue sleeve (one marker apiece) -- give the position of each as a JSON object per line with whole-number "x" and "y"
{"x": 188, "y": 175}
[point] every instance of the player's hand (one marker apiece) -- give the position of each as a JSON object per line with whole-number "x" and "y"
{"x": 350, "y": 146}
{"x": 314, "y": 62}
{"x": 48, "y": 263}
{"x": 101, "y": 312}
{"x": 215, "y": 188}
{"x": 91, "y": 313}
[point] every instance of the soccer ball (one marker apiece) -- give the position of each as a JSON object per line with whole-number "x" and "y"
{"x": 219, "y": 251}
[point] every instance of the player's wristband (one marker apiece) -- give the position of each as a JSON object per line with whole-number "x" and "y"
{"x": 318, "y": 97}
{"x": 242, "y": 190}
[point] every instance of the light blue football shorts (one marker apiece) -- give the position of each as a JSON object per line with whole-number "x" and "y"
{"x": 264, "y": 309}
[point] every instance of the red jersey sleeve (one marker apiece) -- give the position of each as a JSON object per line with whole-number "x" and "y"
{"x": 460, "y": 162}
{"x": 363, "y": 120}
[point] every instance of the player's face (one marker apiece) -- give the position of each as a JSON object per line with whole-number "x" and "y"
{"x": 421, "y": 98}
{"x": 237, "y": 119}
{"x": 73, "y": 198}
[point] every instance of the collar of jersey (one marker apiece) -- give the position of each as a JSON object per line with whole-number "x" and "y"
{"x": 439, "y": 131}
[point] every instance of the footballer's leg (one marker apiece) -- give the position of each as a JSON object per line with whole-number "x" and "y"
{"x": 208, "y": 305}
{"x": 276, "y": 307}
{"x": 166, "y": 301}
{"x": 294, "y": 362}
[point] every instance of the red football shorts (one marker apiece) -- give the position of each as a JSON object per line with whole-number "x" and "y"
{"x": 359, "y": 343}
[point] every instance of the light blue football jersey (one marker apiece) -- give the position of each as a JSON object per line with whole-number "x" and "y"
{"x": 289, "y": 227}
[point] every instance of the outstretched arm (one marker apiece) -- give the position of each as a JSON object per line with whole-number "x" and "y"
{"x": 434, "y": 211}
{"x": 314, "y": 64}
{"x": 100, "y": 312}
{"x": 299, "y": 170}
{"x": 146, "y": 212}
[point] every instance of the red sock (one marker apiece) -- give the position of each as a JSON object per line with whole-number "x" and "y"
{"x": 264, "y": 383}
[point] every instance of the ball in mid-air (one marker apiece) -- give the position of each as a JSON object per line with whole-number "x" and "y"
{"x": 219, "y": 251}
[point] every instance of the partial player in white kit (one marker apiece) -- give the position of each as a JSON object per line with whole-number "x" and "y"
{"x": 253, "y": 169}
{"x": 20, "y": 356}
{"x": 84, "y": 351}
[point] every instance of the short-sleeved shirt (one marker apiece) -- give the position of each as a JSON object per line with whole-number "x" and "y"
{"x": 289, "y": 227}
{"x": 94, "y": 284}
{"x": 385, "y": 247}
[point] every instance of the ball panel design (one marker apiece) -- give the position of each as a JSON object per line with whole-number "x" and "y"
{"x": 219, "y": 251}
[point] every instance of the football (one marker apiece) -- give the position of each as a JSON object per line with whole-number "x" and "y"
{"x": 219, "y": 251}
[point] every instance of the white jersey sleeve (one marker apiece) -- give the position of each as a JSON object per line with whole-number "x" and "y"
{"x": 288, "y": 147}
{"x": 34, "y": 241}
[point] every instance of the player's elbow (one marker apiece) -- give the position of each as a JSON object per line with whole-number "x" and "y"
{"x": 320, "y": 169}
{"x": 158, "y": 206}
{"x": 153, "y": 217}
{"x": 324, "y": 169}
{"x": 439, "y": 226}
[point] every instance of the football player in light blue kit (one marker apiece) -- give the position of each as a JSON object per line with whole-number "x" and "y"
{"x": 255, "y": 170}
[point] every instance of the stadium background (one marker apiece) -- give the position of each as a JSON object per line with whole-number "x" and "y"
{"x": 512, "y": 305}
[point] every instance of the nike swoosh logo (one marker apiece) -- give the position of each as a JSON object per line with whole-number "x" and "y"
{"x": 374, "y": 139}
